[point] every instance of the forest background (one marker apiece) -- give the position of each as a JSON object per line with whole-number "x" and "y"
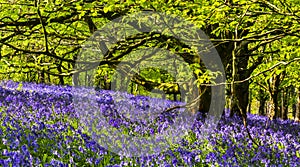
{"x": 257, "y": 40}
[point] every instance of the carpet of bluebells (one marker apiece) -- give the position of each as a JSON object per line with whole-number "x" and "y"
{"x": 39, "y": 127}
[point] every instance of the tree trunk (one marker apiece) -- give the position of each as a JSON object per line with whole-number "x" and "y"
{"x": 284, "y": 104}
{"x": 262, "y": 102}
{"x": 241, "y": 52}
{"x": 274, "y": 92}
{"x": 42, "y": 76}
{"x": 242, "y": 95}
{"x": 61, "y": 78}
{"x": 75, "y": 76}
{"x": 294, "y": 108}
{"x": 107, "y": 82}
{"x": 261, "y": 109}
{"x": 275, "y": 103}
{"x": 75, "y": 79}
{"x": 297, "y": 115}
{"x": 241, "y": 89}
{"x": 249, "y": 104}
{"x": 205, "y": 100}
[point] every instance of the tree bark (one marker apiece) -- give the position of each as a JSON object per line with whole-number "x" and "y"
{"x": 205, "y": 100}
{"x": 297, "y": 115}
{"x": 294, "y": 108}
{"x": 274, "y": 92}
{"x": 42, "y": 76}
{"x": 241, "y": 89}
{"x": 294, "y": 94}
{"x": 275, "y": 103}
{"x": 284, "y": 104}
{"x": 262, "y": 102}
{"x": 61, "y": 78}
{"x": 249, "y": 104}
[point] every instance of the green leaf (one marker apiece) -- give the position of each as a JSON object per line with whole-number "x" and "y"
{"x": 45, "y": 158}
{"x": 108, "y": 8}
